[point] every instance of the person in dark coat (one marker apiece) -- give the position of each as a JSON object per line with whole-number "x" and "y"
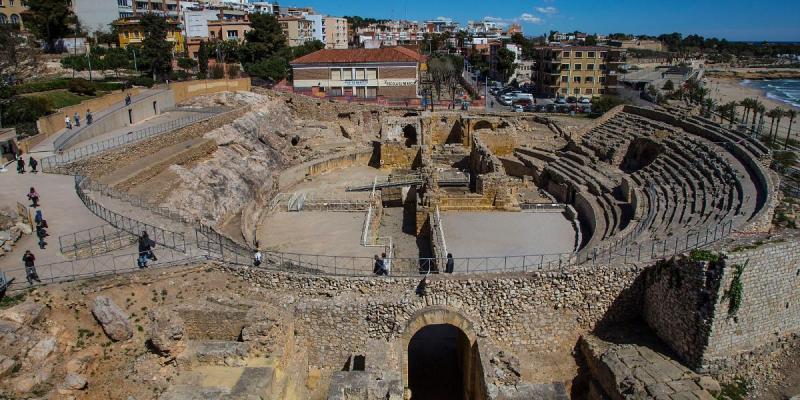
{"x": 450, "y": 264}
{"x": 30, "y": 269}
{"x": 379, "y": 268}
{"x": 145, "y": 250}
{"x": 33, "y": 163}
{"x": 41, "y": 233}
{"x": 20, "y": 165}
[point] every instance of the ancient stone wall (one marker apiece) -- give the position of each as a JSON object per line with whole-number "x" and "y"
{"x": 398, "y": 156}
{"x": 691, "y": 305}
{"x": 527, "y": 313}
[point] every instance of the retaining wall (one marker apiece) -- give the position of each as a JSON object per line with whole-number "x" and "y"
{"x": 186, "y": 90}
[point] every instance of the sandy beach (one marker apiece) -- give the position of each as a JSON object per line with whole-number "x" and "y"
{"x": 725, "y": 90}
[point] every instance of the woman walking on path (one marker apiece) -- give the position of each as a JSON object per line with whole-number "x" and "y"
{"x": 30, "y": 268}
{"x": 33, "y": 197}
{"x": 145, "y": 250}
{"x": 33, "y": 163}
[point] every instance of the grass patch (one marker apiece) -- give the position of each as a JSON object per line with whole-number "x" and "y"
{"x": 703, "y": 255}
{"x": 736, "y": 390}
{"x": 61, "y": 98}
{"x": 11, "y": 301}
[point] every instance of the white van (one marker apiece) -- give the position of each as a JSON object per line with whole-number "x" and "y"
{"x": 523, "y": 96}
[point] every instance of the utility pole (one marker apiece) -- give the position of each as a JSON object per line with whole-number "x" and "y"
{"x": 135, "y": 67}
{"x": 89, "y": 60}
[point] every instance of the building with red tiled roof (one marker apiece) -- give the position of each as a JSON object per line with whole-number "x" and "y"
{"x": 391, "y": 73}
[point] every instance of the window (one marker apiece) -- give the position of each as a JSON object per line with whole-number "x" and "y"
{"x": 590, "y": 54}
{"x": 564, "y": 90}
{"x": 11, "y": 3}
{"x": 578, "y": 67}
{"x": 336, "y": 75}
{"x": 576, "y": 79}
{"x": 590, "y": 67}
{"x": 361, "y": 74}
{"x": 347, "y": 74}
{"x": 335, "y": 91}
{"x": 589, "y": 79}
{"x": 372, "y": 92}
{"x": 576, "y": 91}
{"x": 372, "y": 73}
{"x": 1, "y": 4}
{"x": 565, "y": 54}
{"x": 233, "y": 35}
{"x": 601, "y": 91}
{"x": 3, "y": 19}
{"x": 564, "y": 78}
{"x": 602, "y": 79}
{"x": 361, "y": 92}
{"x": 602, "y": 54}
{"x": 578, "y": 54}
{"x": 565, "y": 67}
{"x": 602, "y": 67}
{"x": 589, "y": 91}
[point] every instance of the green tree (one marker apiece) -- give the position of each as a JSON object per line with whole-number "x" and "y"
{"x": 791, "y": 114}
{"x": 591, "y": 40}
{"x": 307, "y": 48}
{"x": 49, "y": 20}
{"x": 187, "y": 63}
{"x": 272, "y": 69}
{"x": 202, "y": 59}
{"x": 505, "y": 63}
{"x": 668, "y": 86}
{"x": 265, "y": 39}
{"x": 116, "y": 59}
{"x": 18, "y": 60}
{"x": 156, "y": 50}
{"x": 605, "y": 103}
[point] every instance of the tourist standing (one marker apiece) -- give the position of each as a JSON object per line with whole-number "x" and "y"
{"x": 379, "y": 268}
{"x": 77, "y": 119}
{"x": 89, "y": 117}
{"x": 128, "y": 99}
{"x": 145, "y": 250}
{"x": 257, "y": 257}
{"x": 30, "y": 269}
{"x": 20, "y": 165}
{"x": 39, "y": 218}
{"x": 33, "y": 196}
{"x": 33, "y": 163}
{"x": 448, "y": 268}
{"x": 41, "y": 233}
{"x": 67, "y": 122}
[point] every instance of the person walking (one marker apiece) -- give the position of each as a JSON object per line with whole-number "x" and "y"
{"x": 89, "y": 117}
{"x": 448, "y": 268}
{"x": 257, "y": 257}
{"x": 20, "y": 165}
{"x": 33, "y": 163}
{"x": 145, "y": 250}
{"x": 128, "y": 99}
{"x": 33, "y": 196}
{"x": 378, "y": 268}
{"x": 41, "y": 233}
{"x": 30, "y": 268}
{"x": 77, "y": 119}
{"x": 39, "y": 219}
{"x": 67, "y": 122}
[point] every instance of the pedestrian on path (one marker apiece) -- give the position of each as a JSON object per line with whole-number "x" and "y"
{"x": 89, "y": 117}
{"x": 67, "y": 122}
{"x": 33, "y": 196}
{"x": 39, "y": 219}
{"x": 379, "y": 268}
{"x": 257, "y": 257}
{"x": 30, "y": 269}
{"x": 450, "y": 264}
{"x": 146, "y": 250}
{"x": 41, "y": 233}
{"x": 77, "y": 119}
{"x": 20, "y": 165}
{"x": 33, "y": 163}
{"x": 128, "y": 99}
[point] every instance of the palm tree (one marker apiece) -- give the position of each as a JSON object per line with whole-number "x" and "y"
{"x": 708, "y": 105}
{"x": 791, "y": 114}
{"x": 758, "y": 108}
{"x": 779, "y": 114}
{"x": 731, "y": 105}
{"x": 772, "y": 114}
{"x": 747, "y": 104}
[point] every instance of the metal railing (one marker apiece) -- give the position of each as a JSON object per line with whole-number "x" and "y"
{"x": 105, "y": 190}
{"x": 174, "y": 240}
{"x": 94, "y": 241}
{"x": 57, "y": 162}
{"x": 65, "y": 137}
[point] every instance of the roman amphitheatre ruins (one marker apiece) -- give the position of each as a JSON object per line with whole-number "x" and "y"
{"x": 630, "y": 256}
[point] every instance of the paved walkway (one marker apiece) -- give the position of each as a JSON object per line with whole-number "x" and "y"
{"x": 48, "y": 144}
{"x": 146, "y": 123}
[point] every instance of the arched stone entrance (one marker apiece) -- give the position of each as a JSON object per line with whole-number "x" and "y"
{"x": 447, "y": 328}
{"x": 482, "y": 124}
{"x": 410, "y": 135}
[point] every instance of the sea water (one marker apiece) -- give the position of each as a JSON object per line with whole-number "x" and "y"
{"x": 784, "y": 90}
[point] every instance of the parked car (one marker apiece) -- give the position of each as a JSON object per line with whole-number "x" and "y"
{"x": 561, "y": 100}
{"x": 518, "y": 108}
{"x": 585, "y": 100}
{"x": 572, "y": 99}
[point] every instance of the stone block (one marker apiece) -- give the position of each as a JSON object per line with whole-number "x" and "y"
{"x": 684, "y": 386}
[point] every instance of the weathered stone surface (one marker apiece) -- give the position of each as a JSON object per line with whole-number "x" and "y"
{"x": 114, "y": 321}
{"x": 75, "y": 382}
{"x": 25, "y": 314}
{"x": 7, "y": 365}
{"x": 166, "y": 332}
{"x": 42, "y": 349}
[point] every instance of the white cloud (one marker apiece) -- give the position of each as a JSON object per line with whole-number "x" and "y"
{"x": 530, "y": 18}
{"x": 492, "y": 19}
{"x": 549, "y": 10}
{"x": 445, "y": 19}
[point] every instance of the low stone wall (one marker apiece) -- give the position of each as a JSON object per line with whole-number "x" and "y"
{"x": 186, "y": 90}
{"x": 398, "y": 156}
{"x": 193, "y": 153}
{"x": 294, "y": 175}
{"x": 54, "y": 122}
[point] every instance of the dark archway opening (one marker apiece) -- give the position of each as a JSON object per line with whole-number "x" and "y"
{"x": 456, "y": 134}
{"x": 438, "y": 363}
{"x": 483, "y": 124}
{"x": 641, "y": 153}
{"x": 410, "y": 135}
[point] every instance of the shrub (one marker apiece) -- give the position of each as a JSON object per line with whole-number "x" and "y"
{"x": 178, "y": 75}
{"x": 201, "y": 75}
{"x": 218, "y": 72}
{"x": 42, "y": 86}
{"x": 82, "y": 86}
{"x": 233, "y": 71}
{"x": 143, "y": 81}
{"x": 24, "y": 109}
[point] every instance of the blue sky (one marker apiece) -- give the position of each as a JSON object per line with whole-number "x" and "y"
{"x": 776, "y": 20}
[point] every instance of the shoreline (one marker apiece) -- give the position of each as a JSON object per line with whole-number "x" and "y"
{"x": 765, "y": 94}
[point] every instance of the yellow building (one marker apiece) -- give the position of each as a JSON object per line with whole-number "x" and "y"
{"x": 11, "y": 12}
{"x": 581, "y": 71}
{"x": 297, "y": 30}
{"x": 132, "y": 32}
